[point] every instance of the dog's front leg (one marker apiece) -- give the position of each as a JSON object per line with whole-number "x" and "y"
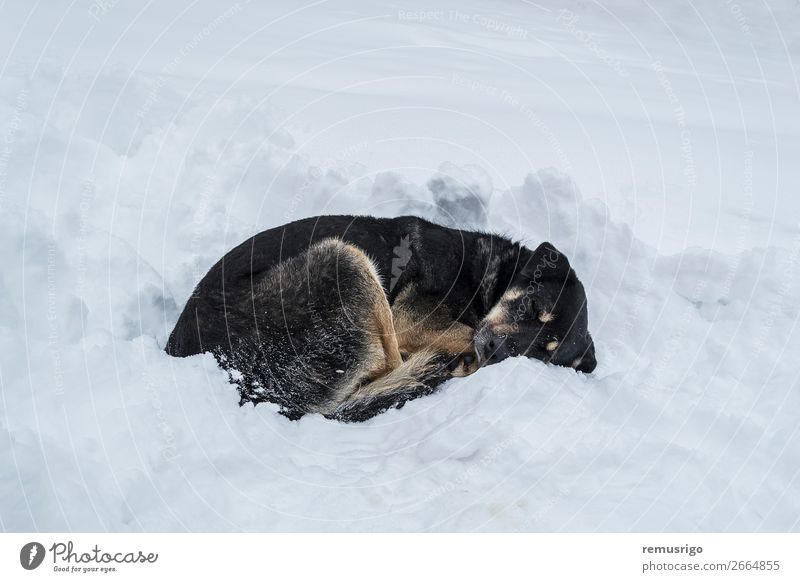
{"x": 422, "y": 323}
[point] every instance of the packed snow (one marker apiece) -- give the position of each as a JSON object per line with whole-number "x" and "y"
{"x": 655, "y": 144}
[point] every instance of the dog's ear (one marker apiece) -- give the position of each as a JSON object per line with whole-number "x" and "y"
{"x": 547, "y": 261}
{"x": 546, "y": 246}
{"x": 549, "y": 248}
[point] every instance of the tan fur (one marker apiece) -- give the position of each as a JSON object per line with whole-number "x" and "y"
{"x": 499, "y": 314}
{"x": 504, "y": 329}
{"x": 551, "y": 346}
{"x": 383, "y": 354}
{"x": 381, "y": 326}
{"x": 512, "y": 294}
{"x": 404, "y": 376}
{"x": 546, "y": 317}
{"x": 419, "y": 332}
{"x": 421, "y": 325}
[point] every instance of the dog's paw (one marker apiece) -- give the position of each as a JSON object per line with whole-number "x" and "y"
{"x": 462, "y": 364}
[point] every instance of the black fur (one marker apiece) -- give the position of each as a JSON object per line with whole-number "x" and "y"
{"x": 285, "y": 318}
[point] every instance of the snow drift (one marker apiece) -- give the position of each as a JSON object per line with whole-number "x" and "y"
{"x": 108, "y": 217}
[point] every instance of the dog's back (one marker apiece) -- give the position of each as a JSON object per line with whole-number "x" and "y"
{"x": 404, "y": 249}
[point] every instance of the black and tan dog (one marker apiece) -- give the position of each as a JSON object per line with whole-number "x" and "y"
{"x": 347, "y": 316}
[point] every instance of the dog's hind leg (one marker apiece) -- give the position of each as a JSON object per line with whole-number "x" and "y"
{"x": 379, "y": 374}
{"x": 434, "y": 348}
{"x": 385, "y": 379}
{"x": 380, "y": 324}
{"x": 327, "y": 335}
{"x": 311, "y": 330}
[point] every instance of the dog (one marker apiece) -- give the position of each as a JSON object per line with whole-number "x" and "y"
{"x": 348, "y": 316}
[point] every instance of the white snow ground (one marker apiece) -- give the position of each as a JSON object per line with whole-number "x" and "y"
{"x": 656, "y": 144}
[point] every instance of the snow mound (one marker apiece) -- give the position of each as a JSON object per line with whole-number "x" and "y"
{"x": 461, "y": 195}
{"x": 689, "y": 421}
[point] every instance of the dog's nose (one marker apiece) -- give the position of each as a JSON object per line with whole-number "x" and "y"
{"x": 495, "y": 349}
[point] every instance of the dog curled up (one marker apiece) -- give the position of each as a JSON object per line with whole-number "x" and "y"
{"x": 347, "y": 316}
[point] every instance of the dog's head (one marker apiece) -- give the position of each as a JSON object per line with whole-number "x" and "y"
{"x": 541, "y": 314}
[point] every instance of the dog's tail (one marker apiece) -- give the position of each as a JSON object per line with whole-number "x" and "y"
{"x": 419, "y": 375}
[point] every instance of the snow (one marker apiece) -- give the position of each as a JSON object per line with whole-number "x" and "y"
{"x": 656, "y": 145}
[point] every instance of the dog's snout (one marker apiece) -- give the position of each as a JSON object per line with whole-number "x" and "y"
{"x": 495, "y": 349}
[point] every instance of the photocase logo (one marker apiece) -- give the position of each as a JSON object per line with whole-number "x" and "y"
{"x": 402, "y": 254}
{"x": 31, "y": 555}
{"x": 67, "y": 558}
